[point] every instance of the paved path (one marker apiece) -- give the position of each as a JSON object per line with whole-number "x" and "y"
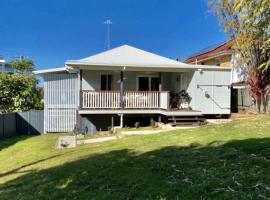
{"x": 95, "y": 140}
{"x": 70, "y": 141}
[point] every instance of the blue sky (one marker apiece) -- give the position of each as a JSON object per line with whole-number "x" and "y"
{"x": 52, "y": 31}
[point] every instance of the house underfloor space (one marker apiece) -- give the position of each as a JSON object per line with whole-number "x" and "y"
{"x": 105, "y": 119}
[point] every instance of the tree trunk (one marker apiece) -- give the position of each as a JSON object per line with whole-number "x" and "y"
{"x": 259, "y": 103}
{"x": 265, "y": 103}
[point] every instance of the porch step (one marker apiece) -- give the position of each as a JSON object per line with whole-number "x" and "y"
{"x": 180, "y": 121}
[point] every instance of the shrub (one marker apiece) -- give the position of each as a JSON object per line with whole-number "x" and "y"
{"x": 110, "y": 130}
{"x": 153, "y": 123}
{"x": 137, "y": 125}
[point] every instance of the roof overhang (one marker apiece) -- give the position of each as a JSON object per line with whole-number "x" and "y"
{"x": 52, "y": 70}
{"x": 127, "y": 58}
{"x": 74, "y": 65}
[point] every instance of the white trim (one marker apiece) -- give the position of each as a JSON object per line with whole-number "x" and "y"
{"x": 45, "y": 71}
{"x": 157, "y": 68}
{"x": 239, "y": 87}
{"x": 141, "y": 111}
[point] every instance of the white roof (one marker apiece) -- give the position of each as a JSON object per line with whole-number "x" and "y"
{"x": 126, "y": 56}
{"x": 130, "y": 58}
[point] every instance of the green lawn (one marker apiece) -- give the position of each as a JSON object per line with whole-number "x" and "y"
{"x": 229, "y": 161}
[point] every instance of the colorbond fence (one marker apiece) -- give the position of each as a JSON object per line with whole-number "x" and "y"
{"x": 31, "y": 123}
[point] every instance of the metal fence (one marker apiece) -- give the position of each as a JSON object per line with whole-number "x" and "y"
{"x": 7, "y": 125}
{"x": 31, "y": 123}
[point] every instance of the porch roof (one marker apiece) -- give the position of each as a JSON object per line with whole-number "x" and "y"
{"x": 127, "y": 57}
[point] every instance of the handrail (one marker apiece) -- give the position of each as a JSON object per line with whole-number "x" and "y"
{"x": 132, "y": 99}
{"x": 124, "y": 91}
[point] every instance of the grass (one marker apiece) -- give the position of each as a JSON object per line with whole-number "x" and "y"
{"x": 228, "y": 161}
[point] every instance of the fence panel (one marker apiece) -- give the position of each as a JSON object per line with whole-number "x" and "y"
{"x": 7, "y": 125}
{"x": 31, "y": 122}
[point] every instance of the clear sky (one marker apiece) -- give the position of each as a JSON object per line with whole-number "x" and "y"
{"x": 52, "y": 31}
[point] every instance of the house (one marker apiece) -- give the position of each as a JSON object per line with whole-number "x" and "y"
{"x": 124, "y": 83}
{"x": 222, "y": 55}
{"x": 5, "y": 67}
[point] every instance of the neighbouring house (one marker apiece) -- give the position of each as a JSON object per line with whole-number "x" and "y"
{"x": 123, "y": 84}
{"x": 222, "y": 55}
{"x": 5, "y": 67}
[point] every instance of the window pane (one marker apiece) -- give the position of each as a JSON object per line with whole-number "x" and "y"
{"x": 154, "y": 84}
{"x": 109, "y": 82}
{"x": 103, "y": 83}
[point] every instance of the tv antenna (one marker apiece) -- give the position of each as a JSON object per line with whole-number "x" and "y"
{"x": 108, "y": 22}
{"x": 21, "y": 57}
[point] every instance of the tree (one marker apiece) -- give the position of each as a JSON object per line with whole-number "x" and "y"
{"x": 19, "y": 91}
{"x": 247, "y": 24}
{"x": 22, "y": 66}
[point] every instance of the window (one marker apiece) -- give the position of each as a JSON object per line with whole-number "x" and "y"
{"x": 106, "y": 82}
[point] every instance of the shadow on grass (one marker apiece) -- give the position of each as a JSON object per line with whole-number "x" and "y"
{"x": 237, "y": 170}
{"x": 6, "y": 142}
{"x": 20, "y": 169}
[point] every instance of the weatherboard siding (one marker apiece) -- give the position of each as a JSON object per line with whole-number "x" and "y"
{"x": 91, "y": 80}
{"x": 210, "y": 91}
{"x": 225, "y": 61}
{"x": 61, "y": 101}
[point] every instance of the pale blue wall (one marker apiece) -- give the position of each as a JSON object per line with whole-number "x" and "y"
{"x": 213, "y": 96}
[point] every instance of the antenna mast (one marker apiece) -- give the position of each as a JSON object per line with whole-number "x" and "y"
{"x": 108, "y": 22}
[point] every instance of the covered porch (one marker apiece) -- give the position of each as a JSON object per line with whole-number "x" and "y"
{"x": 130, "y": 90}
{"x": 127, "y": 78}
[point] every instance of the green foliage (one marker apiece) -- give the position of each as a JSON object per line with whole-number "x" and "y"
{"x": 19, "y": 93}
{"x": 22, "y": 66}
{"x": 247, "y": 22}
{"x": 110, "y": 130}
{"x": 137, "y": 125}
{"x": 153, "y": 123}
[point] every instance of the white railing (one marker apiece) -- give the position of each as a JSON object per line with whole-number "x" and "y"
{"x": 132, "y": 99}
{"x": 100, "y": 99}
{"x": 164, "y": 100}
{"x": 138, "y": 99}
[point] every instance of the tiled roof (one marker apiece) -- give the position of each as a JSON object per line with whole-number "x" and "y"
{"x": 224, "y": 47}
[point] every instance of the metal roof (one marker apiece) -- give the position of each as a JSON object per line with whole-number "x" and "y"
{"x": 126, "y": 55}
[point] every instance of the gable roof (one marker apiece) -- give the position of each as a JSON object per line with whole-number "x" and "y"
{"x": 126, "y": 56}
{"x": 213, "y": 50}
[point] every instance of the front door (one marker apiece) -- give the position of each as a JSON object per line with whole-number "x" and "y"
{"x": 143, "y": 83}
{"x": 148, "y": 83}
{"x": 154, "y": 84}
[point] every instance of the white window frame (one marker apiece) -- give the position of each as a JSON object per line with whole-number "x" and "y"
{"x": 150, "y": 76}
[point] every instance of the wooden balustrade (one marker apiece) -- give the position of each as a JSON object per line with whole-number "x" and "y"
{"x": 100, "y": 99}
{"x": 138, "y": 99}
{"x": 132, "y": 99}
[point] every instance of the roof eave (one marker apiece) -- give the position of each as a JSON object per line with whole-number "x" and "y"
{"x": 82, "y": 65}
{"x": 52, "y": 70}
